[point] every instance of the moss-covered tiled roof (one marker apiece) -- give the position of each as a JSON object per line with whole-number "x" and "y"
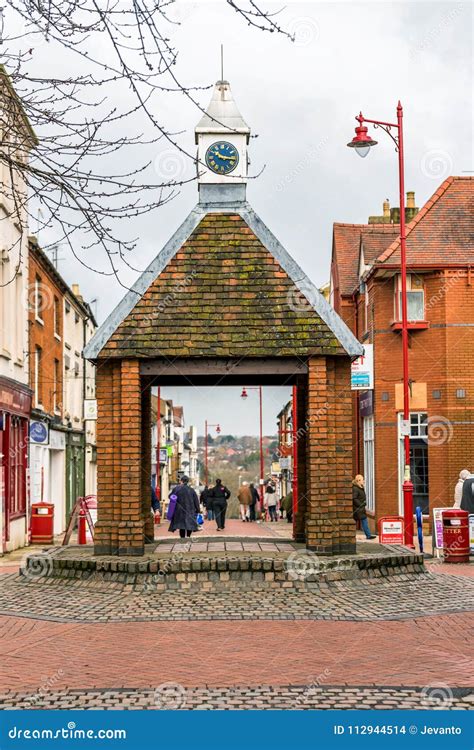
{"x": 222, "y": 295}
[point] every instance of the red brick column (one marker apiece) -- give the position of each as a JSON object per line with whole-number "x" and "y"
{"x": 299, "y": 526}
{"x": 148, "y": 519}
{"x": 120, "y": 527}
{"x": 329, "y": 525}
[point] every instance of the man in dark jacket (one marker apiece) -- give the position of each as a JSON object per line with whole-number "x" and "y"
{"x": 219, "y": 496}
{"x": 206, "y": 501}
{"x": 253, "y": 503}
{"x": 186, "y": 510}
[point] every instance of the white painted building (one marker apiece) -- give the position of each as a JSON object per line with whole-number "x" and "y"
{"x": 16, "y": 141}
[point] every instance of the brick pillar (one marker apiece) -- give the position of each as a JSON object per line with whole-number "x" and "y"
{"x": 120, "y": 527}
{"x": 329, "y": 525}
{"x": 299, "y": 526}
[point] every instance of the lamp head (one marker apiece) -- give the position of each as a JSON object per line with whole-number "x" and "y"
{"x": 362, "y": 142}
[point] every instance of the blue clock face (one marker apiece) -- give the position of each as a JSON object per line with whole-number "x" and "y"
{"x": 222, "y": 157}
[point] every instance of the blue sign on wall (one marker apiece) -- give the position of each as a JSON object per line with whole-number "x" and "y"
{"x": 39, "y": 432}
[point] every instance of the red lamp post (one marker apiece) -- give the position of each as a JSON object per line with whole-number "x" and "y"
{"x": 206, "y": 428}
{"x": 362, "y": 144}
{"x": 244, "y": 395}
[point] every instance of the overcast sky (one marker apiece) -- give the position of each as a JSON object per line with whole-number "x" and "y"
{"x": 300, "y": 99}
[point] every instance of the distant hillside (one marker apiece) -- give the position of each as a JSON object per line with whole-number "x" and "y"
{"x": 236, "y": 458}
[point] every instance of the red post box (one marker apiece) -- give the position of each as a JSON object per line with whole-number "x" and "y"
{"x": 456, "y": 535}
{"x": 42, "y": 523}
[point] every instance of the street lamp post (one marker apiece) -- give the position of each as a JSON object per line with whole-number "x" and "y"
{"x": 206, "y": 427}
{"x": 362, "y": 143}
{"x": 244, "y": 395}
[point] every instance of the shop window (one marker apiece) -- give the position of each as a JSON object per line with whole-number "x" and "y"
{"x": 415, "y": 298}
{"x": 418, "y": 461}
{"x": 369, "y": 468}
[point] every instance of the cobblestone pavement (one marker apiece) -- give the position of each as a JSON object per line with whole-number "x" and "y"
{"x": 259, "y": 697}
{"x": 372, "y": 599}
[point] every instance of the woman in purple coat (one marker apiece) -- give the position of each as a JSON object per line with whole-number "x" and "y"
{"x": 186, "y": 509}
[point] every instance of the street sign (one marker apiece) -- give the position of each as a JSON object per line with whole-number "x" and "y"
{"x": 405, "y": 428}
{"x": 362, "y": 370}
{"x": 39, "y": 433}
{"x": 391, "y": 530}
{"x": 163, "y": 456}
{"x": 90, "y": 408}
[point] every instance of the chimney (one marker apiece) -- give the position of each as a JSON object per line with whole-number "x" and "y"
{"x": 411, "y": 210}
{"x": 77, "y": 292}
{"x": 386, "y": 210}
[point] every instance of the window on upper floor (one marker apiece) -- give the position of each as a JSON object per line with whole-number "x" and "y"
{"x": 56, "y": 385}
{"x": 57, "y": 317}
{"x": 38, "y": 383}
{"x": 415, "y": 298}
{"x": 39, "y": 302}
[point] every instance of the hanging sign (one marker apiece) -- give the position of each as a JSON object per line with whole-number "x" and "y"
{"x": 362, "y": 370}
{"x": 163, "y": 456}
{"x": 90, "y": 408}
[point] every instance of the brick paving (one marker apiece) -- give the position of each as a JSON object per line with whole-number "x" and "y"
{"x": 172, "y": 696}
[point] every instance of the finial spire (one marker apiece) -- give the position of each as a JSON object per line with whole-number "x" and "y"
{"x": 222, "y": 62}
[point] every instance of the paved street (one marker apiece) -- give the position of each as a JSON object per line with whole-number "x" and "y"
{"x": 375, "y": 644}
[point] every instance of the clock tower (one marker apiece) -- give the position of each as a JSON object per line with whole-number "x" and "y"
{"x": 222, "y": 137}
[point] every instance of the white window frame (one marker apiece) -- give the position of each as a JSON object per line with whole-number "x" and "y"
{"x": 369, "y": 461}
{"x": 418, "y": 429}
{"x": 38, "y": 297}
{"x": 414, "y": 287}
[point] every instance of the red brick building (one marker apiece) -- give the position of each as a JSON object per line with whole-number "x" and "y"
{"x": 47, "y": 445}
{"x": 365, "y": 290}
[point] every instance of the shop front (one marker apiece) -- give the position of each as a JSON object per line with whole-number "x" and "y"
{"x": 15, "y": 408}
{"x": 47, "y": 469}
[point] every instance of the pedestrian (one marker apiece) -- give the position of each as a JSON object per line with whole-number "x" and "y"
{"x": 467, "y": 499}
{"x": 155, "y": 500}
{"x": 270, "y": 501}
{"x": 359, "y": 502}
{"x": 186, "y": 510}
{"x": 253, "y": 503}
{"x": 464, "y": 474}
{"x": 244, "y": 496}
{"x": 287, "y": 506}
{"x": 219, "y": 495}
{"x": 206, "y": 500}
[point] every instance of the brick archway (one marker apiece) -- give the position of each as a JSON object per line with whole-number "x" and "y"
{"x": 223, "y": 300}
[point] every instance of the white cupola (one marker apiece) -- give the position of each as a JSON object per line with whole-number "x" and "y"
{"x": 222, "y": 137}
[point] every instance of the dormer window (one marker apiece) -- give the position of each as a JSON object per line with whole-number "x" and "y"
{"x": 415, "y": 298}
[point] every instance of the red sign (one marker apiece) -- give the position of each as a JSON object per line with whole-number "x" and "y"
{"x": 392, "y": 530}
{"x": 14, "y": 398}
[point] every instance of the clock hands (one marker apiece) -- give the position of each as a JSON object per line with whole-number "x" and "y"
{"x": 222, "y": 156}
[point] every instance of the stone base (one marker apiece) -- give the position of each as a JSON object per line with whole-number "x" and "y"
{"x": 188, "y": 570}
